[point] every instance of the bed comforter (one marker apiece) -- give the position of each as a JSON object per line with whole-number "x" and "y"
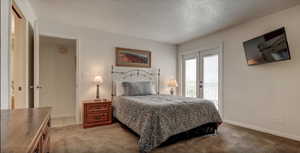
{"x": 156, "y": 118}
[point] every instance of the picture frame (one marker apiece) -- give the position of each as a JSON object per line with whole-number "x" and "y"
{"x": 133, "y": 57}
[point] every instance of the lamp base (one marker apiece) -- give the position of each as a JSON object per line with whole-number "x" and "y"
{"x": 172, "y": 91}
{"x": 98, "y": 92}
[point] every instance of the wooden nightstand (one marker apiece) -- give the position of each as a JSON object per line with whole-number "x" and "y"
{"x": 97, "y": 112}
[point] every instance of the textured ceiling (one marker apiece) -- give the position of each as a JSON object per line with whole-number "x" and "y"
{"x": 172, "y": 21}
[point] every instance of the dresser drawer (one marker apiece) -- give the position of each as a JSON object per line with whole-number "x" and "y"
{"x": 99, "y": 107}
{"x": 98, "y": 117}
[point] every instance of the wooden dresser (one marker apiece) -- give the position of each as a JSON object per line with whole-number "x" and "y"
{"x": 25, "y": 130}
{"x": 97, "y": 112}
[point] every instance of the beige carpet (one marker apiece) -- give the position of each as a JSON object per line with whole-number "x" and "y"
{"x": 115, "y": 139}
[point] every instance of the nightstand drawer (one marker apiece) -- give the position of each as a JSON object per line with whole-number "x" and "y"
{"x": 94, "y": 108}
{"x": 104, "y": 116}
{"x": 96, "y": 113}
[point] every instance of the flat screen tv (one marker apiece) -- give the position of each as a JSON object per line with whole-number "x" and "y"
{"x": 271, "y": 47}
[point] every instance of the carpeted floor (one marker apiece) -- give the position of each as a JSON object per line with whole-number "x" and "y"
{"x": 115, "y": 139}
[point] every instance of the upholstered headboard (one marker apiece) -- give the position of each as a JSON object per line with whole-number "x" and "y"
{"x": 135, "y": 74}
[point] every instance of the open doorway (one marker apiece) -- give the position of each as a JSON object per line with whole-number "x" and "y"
{"x": 58, "y": 78}
{"x": 18, "y": 61}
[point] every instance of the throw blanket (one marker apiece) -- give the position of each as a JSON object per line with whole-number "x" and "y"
{"x": 156, "y": 118}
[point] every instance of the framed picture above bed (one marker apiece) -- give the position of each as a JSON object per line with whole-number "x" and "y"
{"x": 133, "y": 57}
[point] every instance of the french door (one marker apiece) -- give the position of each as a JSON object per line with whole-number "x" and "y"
{"x": 201, "y": 75}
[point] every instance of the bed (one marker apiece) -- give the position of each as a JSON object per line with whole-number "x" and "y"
{"x": 155, "y": 117}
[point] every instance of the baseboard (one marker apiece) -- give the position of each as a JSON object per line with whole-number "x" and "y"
{"x": 257, "y": 128}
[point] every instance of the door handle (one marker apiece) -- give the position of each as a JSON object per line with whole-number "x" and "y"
{"x": 39, "y": 87}
{"x": 200, "y": 84}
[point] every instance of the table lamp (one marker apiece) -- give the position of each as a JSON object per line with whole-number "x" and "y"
{"x": 172, "y": 84}
{"x": 99, "y": 81}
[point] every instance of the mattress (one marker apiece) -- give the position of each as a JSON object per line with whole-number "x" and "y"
{"x": 156, "y": 118}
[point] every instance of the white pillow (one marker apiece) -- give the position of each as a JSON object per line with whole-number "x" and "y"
{"x": 119, "y": 88}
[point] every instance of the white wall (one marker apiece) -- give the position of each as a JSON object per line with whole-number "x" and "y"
{"x": 97, "y": 55}
{"x": 58, "y": 75}
{"x": 264, "y": 97}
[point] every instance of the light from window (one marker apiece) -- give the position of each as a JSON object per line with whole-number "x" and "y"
{"x": 190, "y": 78}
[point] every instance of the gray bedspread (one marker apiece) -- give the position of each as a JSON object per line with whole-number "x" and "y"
{"x": 156, "y": 118}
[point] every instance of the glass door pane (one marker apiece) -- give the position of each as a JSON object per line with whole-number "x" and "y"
{"x": 210, "y": 78}
{"x": 190, "y": 77}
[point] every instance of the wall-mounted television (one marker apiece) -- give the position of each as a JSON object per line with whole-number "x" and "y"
{"x": 268, "y": 48}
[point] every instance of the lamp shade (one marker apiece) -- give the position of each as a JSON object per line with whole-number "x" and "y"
{"x": 172, "y": 83}
{"x": 98, "y": 79}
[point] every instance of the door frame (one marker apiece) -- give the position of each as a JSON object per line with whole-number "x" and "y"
{"x": 77, "y": 98}
{"x": 219, "y": 49}
{"x": 6, "y": 11}
{"x": 5, "y": 49}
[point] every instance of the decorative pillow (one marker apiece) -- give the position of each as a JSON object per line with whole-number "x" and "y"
{"x": 138, "y": 88}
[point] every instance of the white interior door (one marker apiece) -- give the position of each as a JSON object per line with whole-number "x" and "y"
{"x": 36, "y": 86}
{"x": 209, "y": 76}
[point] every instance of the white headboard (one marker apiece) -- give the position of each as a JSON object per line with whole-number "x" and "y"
{"x": 135, "y": 74}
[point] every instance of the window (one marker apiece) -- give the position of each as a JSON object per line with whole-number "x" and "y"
{"x": 190, "y": 77}
{"x": 211, "y": 78}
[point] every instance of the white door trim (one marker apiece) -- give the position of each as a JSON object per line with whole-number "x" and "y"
{"x": 221, "y": 72}
{"x": 36, "y": 65}
{"x": 5, "y": 48}
{"x": 78, "y": 104}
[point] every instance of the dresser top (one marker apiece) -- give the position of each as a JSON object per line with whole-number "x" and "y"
{"x": 20, "y": 127}
{"x": 97, "y": 101}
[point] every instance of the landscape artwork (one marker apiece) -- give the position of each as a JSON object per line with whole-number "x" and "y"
{"x": 133, "y": 57}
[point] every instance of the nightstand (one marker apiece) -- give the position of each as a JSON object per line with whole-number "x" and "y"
{"x": 97, "y": 112}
